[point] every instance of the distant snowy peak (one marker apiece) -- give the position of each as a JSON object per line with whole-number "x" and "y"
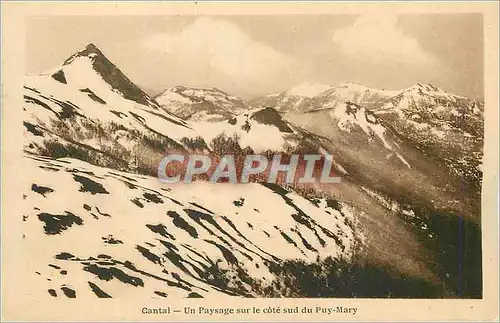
{"x": 194, "y": 94}
{"x": 360, "y": 88}
{"x": 439, "y": 121}
{"x": 308, "y": 90}
{"x": 313, "y": 96}
{"x": 429, "y": 99}
{"x": 81, "y": 67}
{"x": 308, "y": 97}
{"x": 198, "y": 104}
{"x": 428, "y": 90}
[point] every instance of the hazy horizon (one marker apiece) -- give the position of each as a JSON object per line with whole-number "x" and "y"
{"x": 251, "y": 56}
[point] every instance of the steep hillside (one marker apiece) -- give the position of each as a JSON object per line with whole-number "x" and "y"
{"x": 440, "y": 124}
{"x": 125, "y": 235}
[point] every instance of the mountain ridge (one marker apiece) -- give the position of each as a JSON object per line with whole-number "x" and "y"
{"x": 346, "y": 91}
{"x": 200, "y": 104}
{"x": 110, "y": 73}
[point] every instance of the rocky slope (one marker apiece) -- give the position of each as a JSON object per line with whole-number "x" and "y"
{"x": 440, "y": 124}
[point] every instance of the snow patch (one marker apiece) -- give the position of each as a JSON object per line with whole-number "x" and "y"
{"x": 350, "y": 116}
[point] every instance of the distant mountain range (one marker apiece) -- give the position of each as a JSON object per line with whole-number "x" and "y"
{"x": 200, "y": 104}
{"x": 102, "y": 225}
{"x": 312, "y": 96}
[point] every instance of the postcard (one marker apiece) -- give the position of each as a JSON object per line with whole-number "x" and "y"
{"x": 239, "y": 161}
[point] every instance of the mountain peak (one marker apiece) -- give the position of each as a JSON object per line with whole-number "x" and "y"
{"x": 90, "y": 51}
{"x": 92, "y": 47}
{"x": 110, "y": 74}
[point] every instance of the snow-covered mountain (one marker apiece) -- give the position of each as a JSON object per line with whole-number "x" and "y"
{"x": 200, "y": 104}
{"x": 379, "y": 151}
{"x": 108, "y": 227}
{"x": 441, "y": 124}
{"x": 313, "y": 96}
{"x": 90, "y": 110}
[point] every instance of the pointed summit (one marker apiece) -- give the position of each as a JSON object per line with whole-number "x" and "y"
{"x": 109, "y": 73}
{"x": 92, "y": 48}
{"x": 91, "y": 51}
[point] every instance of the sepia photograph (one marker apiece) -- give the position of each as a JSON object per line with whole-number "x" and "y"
{"x": 182, "y": 161}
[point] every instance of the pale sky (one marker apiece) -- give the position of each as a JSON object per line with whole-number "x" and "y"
{"x": 249, "y": 56}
